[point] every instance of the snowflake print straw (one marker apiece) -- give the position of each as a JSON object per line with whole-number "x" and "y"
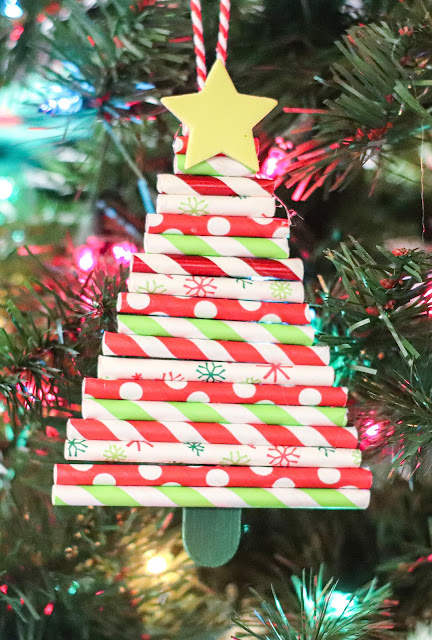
{"x": 112, "y": 368}
{"x": 202, "y": 286}
{"x": 216, "y": 205}
{"x": 213, "y": 454}
{"x": 212, "y": 382}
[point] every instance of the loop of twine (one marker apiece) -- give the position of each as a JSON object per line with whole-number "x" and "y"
{"x": 198, "y": 37}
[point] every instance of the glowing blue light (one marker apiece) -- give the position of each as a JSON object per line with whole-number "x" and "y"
{"x": 11, "y": 9}
{"x": 6, "y": 188}
{"x": 144, "y": 86}
{"x": 61, "y": 101}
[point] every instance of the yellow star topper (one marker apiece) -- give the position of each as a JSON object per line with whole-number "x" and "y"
{"x": 220, "y": 119}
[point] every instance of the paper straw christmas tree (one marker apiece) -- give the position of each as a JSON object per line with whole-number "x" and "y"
{"x": 213, "y": 381}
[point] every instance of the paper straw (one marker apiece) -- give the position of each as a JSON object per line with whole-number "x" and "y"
{"x": 197, "y": 453}
{"x": 215, "y": 166}
{"x": 213, "y": 186}
{"x": 208, "y": 371}
{"x": 182, "y": 391}
{"x": 215, "y": 329}
{"x": 214, "y": 412}
{"x": 196, "y": 476}
{"x": 209, "y": 287}
{"x": 216, "y": 205}
{"x": 221, "y": 309}
{"x": 211, "y": 433}
{"x": 117, "y": 344}
{"x": 180, "y": 145}
{"x": 210, "y": 497}
{"x": 216, "y": 246}
{"x": 217, "y": 225}
{"x": 290, "y": 269}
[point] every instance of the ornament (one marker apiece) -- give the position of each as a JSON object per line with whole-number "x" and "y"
{"x": 220, "y": 372}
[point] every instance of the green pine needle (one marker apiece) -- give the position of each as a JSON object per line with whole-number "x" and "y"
{"x": 364, "y": 615}
{"x": 377, "y": 317}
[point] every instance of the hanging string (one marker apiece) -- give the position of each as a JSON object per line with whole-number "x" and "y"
{"x": 224, "y": 17}
{"x": 198, "y": 37}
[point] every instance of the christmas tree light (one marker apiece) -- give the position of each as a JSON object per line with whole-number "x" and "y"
{"x": 156, "y": 565}
{"x": 11, "y": 9}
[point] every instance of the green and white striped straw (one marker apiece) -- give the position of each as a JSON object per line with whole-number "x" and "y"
{"x": 216, "y": 166}
{"x": 215, "y": 246}
{"x": 215, "y": 329}
{"x": 220, "y": 497}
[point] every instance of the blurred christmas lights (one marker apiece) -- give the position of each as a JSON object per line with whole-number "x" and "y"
{"x": 340, "y": 605}
{"x": 156, "y": 565}
{"x": 11, "y": 9}
{"x": 123, "y": 251}
{"x": 61, "y": 101}
{"x": 6, "y": 188}
{"x": 85, "y": 258}
{"x": 98, "y": 253}
{"x": 277, "y": 161}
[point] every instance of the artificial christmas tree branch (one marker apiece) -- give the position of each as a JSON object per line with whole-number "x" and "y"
{"x": 365, "y": 613}
{"x": 381, "y": 105}
{"x": 377, "y": 315}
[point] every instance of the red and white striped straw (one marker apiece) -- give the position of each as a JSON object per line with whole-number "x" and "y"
{"x": 198, "y": 38}
{"x": 224, "y": 17}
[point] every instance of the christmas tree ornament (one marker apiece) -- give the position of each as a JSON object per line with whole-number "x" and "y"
{"x": 212, "y": 395}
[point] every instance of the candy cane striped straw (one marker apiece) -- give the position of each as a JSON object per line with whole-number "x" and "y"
{"x": 224, "y": 16}
{"x": 198, "y": 38}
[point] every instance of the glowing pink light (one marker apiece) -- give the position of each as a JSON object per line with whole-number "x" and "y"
{"x": 275, "y": 164}
{"x": 85, "y": 258}
{"x": 122, "y": 252}
{"x": 372, "y": 431}
{"x": 428, "y": 298}
{"x": 49, "y": 609}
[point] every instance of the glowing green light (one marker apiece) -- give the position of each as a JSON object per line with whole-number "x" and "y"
{"x": 73, "y": 588}
{"x": 6, "y": 188}
{"x": 341, "y": 605}
{"x": 9, "y": 433}
{"x": 18, "y": 236}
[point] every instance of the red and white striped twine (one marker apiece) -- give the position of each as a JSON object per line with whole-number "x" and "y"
{"x": 224, "y": 17}
{"x": 198, "y": 37}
